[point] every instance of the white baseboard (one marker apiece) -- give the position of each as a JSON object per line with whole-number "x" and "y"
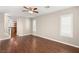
{"x": 57, "y": 40}
{"x": 4, "y": 38}
{"x": 25, "y": 34}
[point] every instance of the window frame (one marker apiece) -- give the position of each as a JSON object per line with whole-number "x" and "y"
{"x": 63, "y": 34}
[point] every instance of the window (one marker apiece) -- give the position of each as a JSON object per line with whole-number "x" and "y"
{"x": 66, "y": 25}
{"x": 34, "y": 25}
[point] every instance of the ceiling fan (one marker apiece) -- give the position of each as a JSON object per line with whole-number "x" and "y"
{"x": 30, "y": 9}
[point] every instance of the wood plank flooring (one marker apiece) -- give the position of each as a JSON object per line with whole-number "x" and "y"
{"x": 34, "y": 44}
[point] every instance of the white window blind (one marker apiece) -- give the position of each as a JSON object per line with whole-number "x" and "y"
{"x": 66, "y": 25}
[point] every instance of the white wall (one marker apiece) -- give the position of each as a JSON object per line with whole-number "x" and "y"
{"x": 3, "y": 35}
{"x": 48, "y": 26}
{"x": 1, "y": 24}
{"x": 23, "y": 26}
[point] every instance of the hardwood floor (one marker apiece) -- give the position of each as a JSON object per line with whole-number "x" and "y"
{"x": 33, "y": 44}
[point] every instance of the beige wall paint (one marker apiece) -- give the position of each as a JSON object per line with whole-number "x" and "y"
{"x": 48, "y": 26}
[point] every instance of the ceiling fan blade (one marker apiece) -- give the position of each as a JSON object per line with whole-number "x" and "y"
{"x": 35, "y": 11}
{"x": 25, "y": 7}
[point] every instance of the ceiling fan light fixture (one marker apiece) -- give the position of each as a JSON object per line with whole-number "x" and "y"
{"x": 30, "y": 12}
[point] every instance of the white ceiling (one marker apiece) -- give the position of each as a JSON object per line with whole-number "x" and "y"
{"x": 17, "y": 10}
